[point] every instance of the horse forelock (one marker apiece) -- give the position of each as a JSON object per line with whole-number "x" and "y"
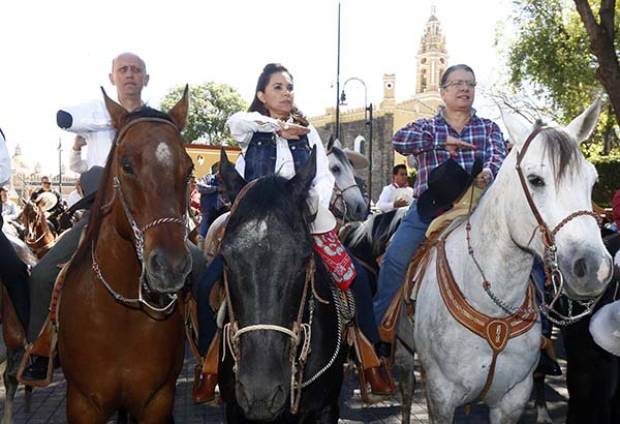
{"x": 105, "y": 191}
{"x": 563, "y": 153}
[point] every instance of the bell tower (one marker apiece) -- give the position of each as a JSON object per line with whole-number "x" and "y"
{"x": 432, "y": 56}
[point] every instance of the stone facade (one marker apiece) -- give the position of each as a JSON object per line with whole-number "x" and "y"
{"x": 389, "y": 115}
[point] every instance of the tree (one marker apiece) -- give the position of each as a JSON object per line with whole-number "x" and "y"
{"x": 210, "y": 105}
{"x": 551, "y": 57}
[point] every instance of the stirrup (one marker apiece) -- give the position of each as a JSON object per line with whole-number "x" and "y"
{"x": 45, "y": 346}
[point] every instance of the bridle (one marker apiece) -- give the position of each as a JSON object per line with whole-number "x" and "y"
{"x": 138, "y": 235}
{"x": 552, "y": 269}
{"x": 31, "y": 239}
{"x": 300, "y": 333}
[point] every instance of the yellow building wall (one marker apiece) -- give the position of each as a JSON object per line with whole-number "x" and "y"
{"x": 205, "y": 156}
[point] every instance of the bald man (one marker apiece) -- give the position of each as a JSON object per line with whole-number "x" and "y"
{"x": 92, "y": 124}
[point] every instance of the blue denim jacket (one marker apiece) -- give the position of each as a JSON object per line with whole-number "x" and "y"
{"x": 261, "y": 154}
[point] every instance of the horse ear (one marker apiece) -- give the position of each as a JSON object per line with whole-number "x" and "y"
{"x": 516, "y": 126}
{"x": 233, "y": 182}
{"x": 116, "y": 111}
{"x": 179, "y": 112}
{"x": 330, "y": 142}
{"x": 302, "y": 181}
{"x": 581, "y": 127}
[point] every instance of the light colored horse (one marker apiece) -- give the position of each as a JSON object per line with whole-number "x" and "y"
{"x": 504, "y": 239}
{"x": 348, "y": 202}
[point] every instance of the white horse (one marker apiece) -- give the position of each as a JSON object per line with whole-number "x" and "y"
{"x": 505, "y": 237}
{"x": 348, "y": 202}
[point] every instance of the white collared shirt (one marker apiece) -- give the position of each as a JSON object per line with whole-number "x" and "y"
{"x": 390, "y": 194}
{"x": 92, "y": 121}
{"x": 243, "y": 125}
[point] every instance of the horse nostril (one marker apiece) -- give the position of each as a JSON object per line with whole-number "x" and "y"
{"x": 580, "y": 268}
{"x": 155, "y": 262}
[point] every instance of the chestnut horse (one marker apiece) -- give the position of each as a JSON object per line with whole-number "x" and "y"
{"x": 121, "y": 338}
{"x": 38, "y": 235}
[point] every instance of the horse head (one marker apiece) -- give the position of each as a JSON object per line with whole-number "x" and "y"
{"x": 559, "y": 181}
{"x": 145, "y": 187}
{"x": 346, "y": 187}
{"x": 267, "y": 251}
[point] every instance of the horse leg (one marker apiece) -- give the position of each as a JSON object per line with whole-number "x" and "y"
{"x": 440, "y": 399}
{"x": 80, "y": 409}
{"x": 10, "y": 386}
{"x": 542, "y": 413}
{"x": 510, "y": 407}
{"x": 159, "y": 408}
{"x": 403, "y": 365}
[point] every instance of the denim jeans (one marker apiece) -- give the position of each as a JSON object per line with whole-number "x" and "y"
{"x": 410, "y": 233}
{"x": 538, "y": 276}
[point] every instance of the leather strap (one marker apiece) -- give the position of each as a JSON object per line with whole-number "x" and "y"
{"x": 496, "y": 331}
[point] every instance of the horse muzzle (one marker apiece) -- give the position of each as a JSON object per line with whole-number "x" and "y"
{"x": 166, "y": 272}
{"x": 264, "y": 403}
{"x": 586, "y": 273}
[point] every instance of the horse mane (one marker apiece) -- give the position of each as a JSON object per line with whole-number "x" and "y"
{"x": 340, "y": 155}
{"x": 563, "y": 152}
{"x": 266, "y": 199}
{"x": 385, "y": 223}
{"x": 97, "y": 211}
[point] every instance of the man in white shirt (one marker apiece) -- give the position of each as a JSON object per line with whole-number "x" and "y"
{"x": 91, "y": 121}
{"x": 398, "y": 194}
{"x": 10, "y": 210}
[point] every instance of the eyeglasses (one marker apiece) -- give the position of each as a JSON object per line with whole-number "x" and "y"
{"x": 46, "y": 182}
{"x": 460, "y": 83}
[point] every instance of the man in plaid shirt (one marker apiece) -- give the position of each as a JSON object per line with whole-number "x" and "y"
{"x": 455, "y": 132}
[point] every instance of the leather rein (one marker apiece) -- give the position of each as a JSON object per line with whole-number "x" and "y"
{"x": 138, "y": 235}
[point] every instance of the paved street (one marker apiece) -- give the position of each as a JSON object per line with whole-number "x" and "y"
{"x": 48, "y": 405}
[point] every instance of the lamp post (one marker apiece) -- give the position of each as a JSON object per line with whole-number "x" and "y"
{"x": 60, "y": 166}
{"x": 368, "y": 119}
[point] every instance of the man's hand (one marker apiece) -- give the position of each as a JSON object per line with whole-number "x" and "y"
{"x": 453, "y": 144}
{"x": 399, "y": 203}
{"x": 292, "y": 131}
{"x": 483, "y": 179}
{"x": 79, "y": 143}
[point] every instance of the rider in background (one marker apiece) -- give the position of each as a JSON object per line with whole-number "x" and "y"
{"x": 10, "y": 210}
{"x": 398, "y": 194}
{"x": 13, "y": 272}
{"x": 455, "y": 132}
{"x": 276, "y": 138}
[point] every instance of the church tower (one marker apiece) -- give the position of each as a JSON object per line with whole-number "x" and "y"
{"x": 432, "y": 56}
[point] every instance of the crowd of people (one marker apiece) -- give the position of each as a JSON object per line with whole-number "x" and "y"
{"x": 275, "y": 137}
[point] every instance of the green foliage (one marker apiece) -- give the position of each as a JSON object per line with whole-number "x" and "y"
{"x": 210, "y": 105}
{"x": 551, "y": 58}
{"x": 608, "y": 182}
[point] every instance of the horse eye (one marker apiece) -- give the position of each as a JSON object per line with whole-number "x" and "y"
{"x": 335, "y": 169}
{"x": 536, "y": 181}
{"x": 126, "y": 167}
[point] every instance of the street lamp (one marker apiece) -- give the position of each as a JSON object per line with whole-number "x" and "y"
{"x": 368, "y": 118}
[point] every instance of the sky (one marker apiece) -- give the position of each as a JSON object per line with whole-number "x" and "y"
{"x": 58, "y": 53}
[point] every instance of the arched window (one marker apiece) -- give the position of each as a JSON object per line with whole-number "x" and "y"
{"x": 359, "y": 145}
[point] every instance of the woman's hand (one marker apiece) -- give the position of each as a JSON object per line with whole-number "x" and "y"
{"x": 292, "y": 131}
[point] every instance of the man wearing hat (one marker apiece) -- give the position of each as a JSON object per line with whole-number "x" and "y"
{"x": 445, "y": 148}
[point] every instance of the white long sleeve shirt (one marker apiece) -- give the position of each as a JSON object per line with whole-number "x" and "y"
{"x": 242, "y": 127}
{"x": 390, "y": 193}
{"x": 5, "y": 162}
{"x": 92, "y": 121}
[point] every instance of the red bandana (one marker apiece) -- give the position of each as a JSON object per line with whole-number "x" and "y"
{"x": 335, "y": 257}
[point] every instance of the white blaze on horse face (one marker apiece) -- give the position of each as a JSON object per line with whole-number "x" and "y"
{"x": 163, "y": 153}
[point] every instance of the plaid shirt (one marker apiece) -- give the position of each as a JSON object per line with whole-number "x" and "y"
{"x": 426, "y": 140}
